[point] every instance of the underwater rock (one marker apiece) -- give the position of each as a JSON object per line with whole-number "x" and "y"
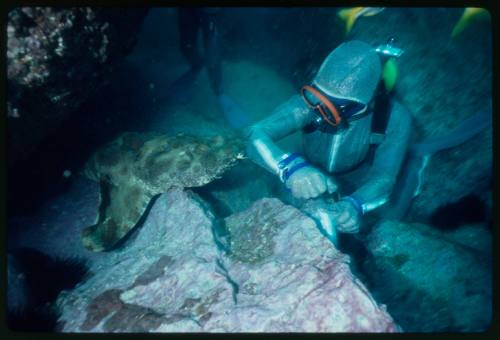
{"x": 292, "y": 279}
{"x": 447, "y": 282}
{"x": 171, "y": 277}
{"x": 454, "y": 174}
{"x": 136, "y": 167}
{"x": 152, "y": 276}
{"x": 56, "y": 59}
{"x": 34, "y": 282}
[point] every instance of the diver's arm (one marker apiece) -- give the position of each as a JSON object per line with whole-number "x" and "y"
{"x": 387, "y": 162}
{"x": 286, "y": 119}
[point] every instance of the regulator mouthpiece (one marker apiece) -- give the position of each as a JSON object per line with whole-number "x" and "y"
{"x": 389, "y": 49}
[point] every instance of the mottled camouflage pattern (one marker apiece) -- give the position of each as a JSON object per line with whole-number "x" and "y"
{"x": 135, "y": 167}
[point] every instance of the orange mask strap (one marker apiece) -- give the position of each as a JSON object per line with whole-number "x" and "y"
{"x": 324, "y": 100}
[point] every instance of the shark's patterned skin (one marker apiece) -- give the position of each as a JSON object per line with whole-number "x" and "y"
{"x": 136, "y": 167}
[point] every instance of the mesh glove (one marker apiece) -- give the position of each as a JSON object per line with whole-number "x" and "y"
{"x": 309, "y": 182}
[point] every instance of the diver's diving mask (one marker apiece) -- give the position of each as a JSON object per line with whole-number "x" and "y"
{"x": 332, "y": 110}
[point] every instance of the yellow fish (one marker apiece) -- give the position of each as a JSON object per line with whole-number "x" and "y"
{"x": 470, "y": 14}
{"x": 350, "y": 15}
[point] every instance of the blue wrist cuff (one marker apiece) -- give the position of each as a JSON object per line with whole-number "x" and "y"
{"x": 355, "y": 202}
{"x": 287, "y": 160}
{"x": 289, "y": 172}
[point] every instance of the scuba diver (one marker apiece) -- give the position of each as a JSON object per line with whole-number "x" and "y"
{"x": 352, "y": 143}
{"x": 191, "y": 20}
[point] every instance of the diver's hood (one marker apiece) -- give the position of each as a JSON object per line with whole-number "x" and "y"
{"x": 351, "y": 71}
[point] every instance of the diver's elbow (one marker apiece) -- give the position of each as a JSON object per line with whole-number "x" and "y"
{"x": 254, "y": 135}
{"x": 381, "y": 192}
{"x": 248, "y": 131}
{"x": 253, "y": 138}
{"x": 250, "y": 135}
{"x": 386, "y": 185}
{"x": 404, "y": 120}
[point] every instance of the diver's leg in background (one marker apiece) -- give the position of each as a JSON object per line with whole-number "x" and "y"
{"x": 212, "y": 50}
{"x": 210, "y": 27}
{"x": 189, "y": 25}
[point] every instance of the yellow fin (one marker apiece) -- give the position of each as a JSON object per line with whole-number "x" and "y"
{"x": 349, "y": 15}
{"x": 390, "y": 74}
{"x": 470, "y": 14}
{"x": 371, "y": 11}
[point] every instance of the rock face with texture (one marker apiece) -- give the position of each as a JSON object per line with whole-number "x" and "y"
{"x": 56, "y": 59}
{"x": 170, "y": 276}
{"x": 455, "y": 173}
{"x": 136, "y": 167}
{"x": 445, "y": 277}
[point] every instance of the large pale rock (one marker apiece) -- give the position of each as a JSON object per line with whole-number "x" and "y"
{"x": 170, "y": 276}
{"x": 444, "y": 277}
{"x": 292, "y": 279}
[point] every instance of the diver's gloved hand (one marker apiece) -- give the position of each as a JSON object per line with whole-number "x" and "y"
{"x": 309, "y": 182}
{"x": 346, "y": 216}
{"x": 233, "y": 113}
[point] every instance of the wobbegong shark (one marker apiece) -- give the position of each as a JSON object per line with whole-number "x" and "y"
{"x": 136, "y": 167}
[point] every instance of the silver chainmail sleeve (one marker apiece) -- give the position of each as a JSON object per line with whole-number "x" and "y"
{"x": 287, "y": 118}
